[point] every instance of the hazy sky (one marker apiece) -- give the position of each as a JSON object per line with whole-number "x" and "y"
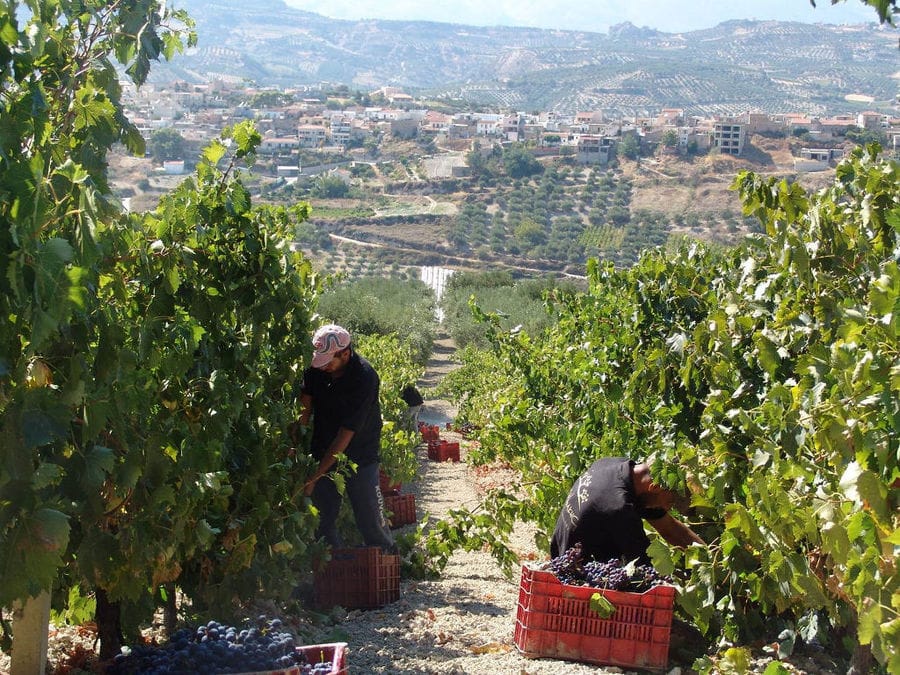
{"x": 664, "y": 15}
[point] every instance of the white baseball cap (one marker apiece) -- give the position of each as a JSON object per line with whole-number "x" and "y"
{"x": 327, "y": 341}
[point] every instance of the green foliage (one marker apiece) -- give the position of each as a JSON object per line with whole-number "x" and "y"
{"x": 61, "y": 112}
{"x": 329, "y": 187}
{"x": 517, "y": 305}
{"x": 476, "y": 384}
{"x": 148, "y": 362}
{"x": 395, "y": 362}
{"x": 630, "y": 147}
{"x": 381, "y": 306}
{"x": 670, "y": 139}
{"x": 886, "y": 9}
{"x": 362, "y": 171}
{"x": 764, "y": 379}
{"x": 865, "y": 137}
{"x": 520, "y": 163}
{"x": 166, "y": 144}
{"x": 269, "y": 99}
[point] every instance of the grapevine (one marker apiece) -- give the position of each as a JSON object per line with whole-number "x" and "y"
{"x": 763, "y": 379}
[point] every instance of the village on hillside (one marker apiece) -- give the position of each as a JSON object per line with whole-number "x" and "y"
{"x": 397, "y": 183}
{"x": 313, "y": 119}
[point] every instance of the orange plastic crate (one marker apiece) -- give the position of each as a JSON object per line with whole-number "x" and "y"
{"x": 443, "y": 451}
{"x": 358, "y": 578}
{"x": 402, "y": 508}
{"x": 555, "y": 620}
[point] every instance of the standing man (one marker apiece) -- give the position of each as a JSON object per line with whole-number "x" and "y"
{"x": 606, "y": 508}
{"x": 340, "y": 393}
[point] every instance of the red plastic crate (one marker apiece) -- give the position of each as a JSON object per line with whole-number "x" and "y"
{"x": 430, "y": 432}
{"x": 388, "y": 485}
{"x": 335, "y": 652}
{"x": 555, "y": 620}
{"x": 443, "y": 451}
{"x": 402, "y": 508}
{"x": 358, "y": 578}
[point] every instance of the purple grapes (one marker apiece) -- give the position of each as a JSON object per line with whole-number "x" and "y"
{"x": 571, "y": 568}
{"x": 216, "y": 648}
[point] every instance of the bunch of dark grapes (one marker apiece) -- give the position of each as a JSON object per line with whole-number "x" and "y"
{"x": 217, "y": 648}
{"x": 609, "y": 574}
{"x": 570, "y": 568}
{"x": 321, "y": 668}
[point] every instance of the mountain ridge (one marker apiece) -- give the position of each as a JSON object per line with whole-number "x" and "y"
{"x": 765, "y": 65}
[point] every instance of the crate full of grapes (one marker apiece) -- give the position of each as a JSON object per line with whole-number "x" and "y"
{"x": 593, "y": 623}
{"x": 358, "y": 578}
{"x": 258, "y": 647}
{"x": 430, "y": 432}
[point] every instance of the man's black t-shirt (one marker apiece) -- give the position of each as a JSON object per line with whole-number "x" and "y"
{"x": 349, "y": 401}
{"x": 602, "y": 512}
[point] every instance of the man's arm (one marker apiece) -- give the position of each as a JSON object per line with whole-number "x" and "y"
{"x": 338, "y": 445}
{"x": 675, "y": 532}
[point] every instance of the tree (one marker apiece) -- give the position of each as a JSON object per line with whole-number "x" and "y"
{"x": 166, "y": 144}
{"x": 670, "y": 139}
{"x": 762, "y": 380}
{"x": 330, "y": 187}
{"x": 520, "y": 163}
{"x": 61, "y": 112}
{"x": 630, "y": 146}
{"x": 530, "y": 234}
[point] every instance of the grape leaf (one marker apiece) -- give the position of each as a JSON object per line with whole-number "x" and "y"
{"x": 601, "y": 604}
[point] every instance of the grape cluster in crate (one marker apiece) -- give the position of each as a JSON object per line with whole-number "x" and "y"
{"x": 218, "y": 648}
{"x": 572, "y": 568}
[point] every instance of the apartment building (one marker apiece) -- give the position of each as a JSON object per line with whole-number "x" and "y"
{"x": 341, "y": 129}
{"x": 311, "y": 135}
{"x": 595, "y": 149}
{"x": 729, "y": 137}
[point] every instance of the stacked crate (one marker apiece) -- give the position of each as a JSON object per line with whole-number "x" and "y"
{"x": 439, "y": 450}
{"x": 443, "y": 451}
{"x": 401, "y": 509}
{"x": 358, "y": 578}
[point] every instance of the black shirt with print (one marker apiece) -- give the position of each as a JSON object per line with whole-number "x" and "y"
{"x": 603, "y": 513}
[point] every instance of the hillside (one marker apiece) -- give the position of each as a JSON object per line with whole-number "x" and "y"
{"x": 549, "y": 222}
{"x": 767, "y": 66}
{"x": 404, "y": 214}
